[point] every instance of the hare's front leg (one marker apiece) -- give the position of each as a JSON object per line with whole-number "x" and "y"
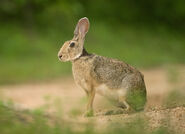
{"x": 89, "y": 110}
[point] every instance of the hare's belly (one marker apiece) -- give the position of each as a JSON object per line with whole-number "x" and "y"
{"x": 114, "y": 94}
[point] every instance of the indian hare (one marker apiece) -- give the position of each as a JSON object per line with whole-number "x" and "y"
{"x": 111, "y": 78}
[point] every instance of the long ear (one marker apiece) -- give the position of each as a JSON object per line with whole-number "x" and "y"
{"x": 82, "y": 27}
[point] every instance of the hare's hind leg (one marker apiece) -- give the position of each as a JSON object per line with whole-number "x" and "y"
{"x": 122, "y": 103}
{"x": 135, "y": 91}
{"x": 122, "y": 106}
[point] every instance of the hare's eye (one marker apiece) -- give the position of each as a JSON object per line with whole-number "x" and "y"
{"x": 72, "y": 44}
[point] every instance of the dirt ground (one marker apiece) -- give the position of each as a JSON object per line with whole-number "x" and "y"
{"x": 70, "y": 100}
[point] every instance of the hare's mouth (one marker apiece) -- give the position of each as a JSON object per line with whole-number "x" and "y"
{"x": 60, "y": 57}
{"x": 63, "y": 59}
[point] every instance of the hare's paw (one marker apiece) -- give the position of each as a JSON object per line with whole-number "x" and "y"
{"x": 109, "y": 112}
{"x": 114, "y": 112}
{"x": 119, "y": 111}
{"x": 89, "y": 113}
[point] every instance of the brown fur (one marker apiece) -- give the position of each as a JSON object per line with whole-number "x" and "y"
{"x": 110, "y": 77}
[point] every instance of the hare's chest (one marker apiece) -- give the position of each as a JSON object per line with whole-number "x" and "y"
{"x": 81, "y": 74}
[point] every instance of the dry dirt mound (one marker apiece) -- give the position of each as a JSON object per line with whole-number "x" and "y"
{"x": 173, "y": 118}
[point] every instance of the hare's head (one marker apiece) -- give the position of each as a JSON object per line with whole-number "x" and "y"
{"x": 73, "y": 49}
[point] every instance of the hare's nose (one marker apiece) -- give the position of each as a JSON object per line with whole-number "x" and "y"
{"x": 60, "y": 56}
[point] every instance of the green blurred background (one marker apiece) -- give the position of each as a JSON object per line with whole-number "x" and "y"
{"x": 143, "y": 33}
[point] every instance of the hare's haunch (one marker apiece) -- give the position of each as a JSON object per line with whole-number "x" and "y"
{"x": 111, "y": 78}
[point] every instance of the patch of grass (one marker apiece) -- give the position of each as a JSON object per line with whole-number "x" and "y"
{"x": 27, "y": 57}
{"x": 31, "y": 54}
{"x": 139, "y": 46}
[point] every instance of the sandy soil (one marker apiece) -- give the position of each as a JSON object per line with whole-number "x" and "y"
{"x": 64, "y": 95}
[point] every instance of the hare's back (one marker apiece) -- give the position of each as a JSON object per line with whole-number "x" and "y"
{"x": 111, "y": 71}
